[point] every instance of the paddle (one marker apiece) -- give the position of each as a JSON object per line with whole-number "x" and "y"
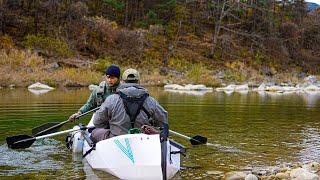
{"x": 25, "y": 141}
{"x": 52, "y": 127}
{"x": 195, "y": 140}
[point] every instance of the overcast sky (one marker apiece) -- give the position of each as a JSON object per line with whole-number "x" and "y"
{"x": 315, "y": 1}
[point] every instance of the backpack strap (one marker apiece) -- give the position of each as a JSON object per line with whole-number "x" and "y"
{"x": 133, "y": 105}
{"x": 146, "y": 111}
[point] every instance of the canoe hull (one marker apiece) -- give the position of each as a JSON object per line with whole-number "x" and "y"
{"x": 133, "y": 156}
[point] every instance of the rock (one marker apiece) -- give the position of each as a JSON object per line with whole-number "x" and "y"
{"x": 235, "y": 175}
{"x": 164, "y": 71}
{"x": 302, "y": 75}
{"x": 283, "y": 175}
{"x": 173, "y": 86}
{"x": 312, "y": 167}
{"x": 284, "y": 169}
{"x": 12, "y": 86}
{"x": 253, "y": 84}
{"x": 188, "y": 87}
{"x": 251, "y": 177}
{"x": 266, "y": 71}
{"x": 38, "y": 85}
{"x": 196, "y": 87}
{"x": 230, "y": 87}
{"x": 220, "y": 75}
{"x": 243, "y": 87}
{"x": 51, "y": 67}
{"x": 310, "y": 79}
{"x": 301, "y": 173}
{"x": 311, "y": 88}
{"x": 274, "y": 89}
{"x": 215, "y": 173}
{"x": 262, "y": 87}
{"x": 307, "y": 176}
{"x": 92, "y": 87}
{"x": 289, "y": 88}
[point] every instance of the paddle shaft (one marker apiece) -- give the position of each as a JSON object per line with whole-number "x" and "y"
{"x": 180, "y": 135}
{"x": 64, "y": 122}
{"x": 62, "y": 132}
{"x": 29, "y": 141}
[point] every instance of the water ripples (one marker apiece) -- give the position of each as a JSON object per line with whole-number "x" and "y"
{"x": 41, "y": 156}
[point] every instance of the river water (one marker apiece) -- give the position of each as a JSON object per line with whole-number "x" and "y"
{"x": 247, "y": 131}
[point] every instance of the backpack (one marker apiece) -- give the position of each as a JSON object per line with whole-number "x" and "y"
{"x": 133, "y": 106}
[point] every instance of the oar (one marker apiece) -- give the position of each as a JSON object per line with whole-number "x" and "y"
{"x": 52, "y": 127}
{"x": 195, "y": 140}
{"x": 25, "y": 141}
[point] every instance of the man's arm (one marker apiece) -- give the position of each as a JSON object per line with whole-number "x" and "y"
{"x": 159, "y": 113}
{"x": 90, "y": 104}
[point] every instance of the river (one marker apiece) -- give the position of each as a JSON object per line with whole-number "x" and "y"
{"x": 246, "y": 130}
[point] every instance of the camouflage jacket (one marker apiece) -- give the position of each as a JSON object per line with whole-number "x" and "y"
{"x": 98, "y": 95}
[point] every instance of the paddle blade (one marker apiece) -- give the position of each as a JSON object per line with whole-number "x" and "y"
{"x": 197, "y": 140}
{"x": 20, "y": 141}
{"x": 47, "y": 128}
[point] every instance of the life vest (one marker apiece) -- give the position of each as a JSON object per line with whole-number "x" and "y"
{"x": 101, "y": 92}
{"x": 133, "y": 105}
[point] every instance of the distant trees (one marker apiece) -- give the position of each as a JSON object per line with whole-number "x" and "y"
{"x": 91, "y": 27}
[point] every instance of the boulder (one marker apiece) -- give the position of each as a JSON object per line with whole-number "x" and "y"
{"x": 283, "y": 175}
{"x": 235, "y": 175}
{"x": 230, "y": 87}
{"x": 303, "y": 174}
{"x": 38, "y": 85}
{"x": 243, "y": 87}
{"x": 188, "y": 87}
{"x": 311, "y": 88}
{"x": 251, "y": 177}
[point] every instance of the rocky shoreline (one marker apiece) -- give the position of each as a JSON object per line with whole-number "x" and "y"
{"x": 308, "y": 171}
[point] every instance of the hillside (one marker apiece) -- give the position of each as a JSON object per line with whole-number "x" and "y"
{"x": 64, "y": 43}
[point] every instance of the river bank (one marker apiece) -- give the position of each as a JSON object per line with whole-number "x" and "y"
{"x": 19, "y": 68}
{"x": 307, "y": 171}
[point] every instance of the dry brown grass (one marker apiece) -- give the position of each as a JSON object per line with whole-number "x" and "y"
{"x": 23, "y": 68}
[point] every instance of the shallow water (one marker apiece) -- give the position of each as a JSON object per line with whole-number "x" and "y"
{"x": 249, "y": 130}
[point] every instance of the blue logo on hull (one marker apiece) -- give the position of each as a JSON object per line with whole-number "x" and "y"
{"x": 126, "y": 150}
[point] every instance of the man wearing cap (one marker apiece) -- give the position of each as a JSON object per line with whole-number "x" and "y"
{"x": 99, "y": 94}
{"x": 130, "y": 108}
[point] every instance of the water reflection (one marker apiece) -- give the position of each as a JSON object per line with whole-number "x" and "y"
{"x": 39, "y": 91}
{"x": 311, "y": 98}
{"x": 195, "y": 93}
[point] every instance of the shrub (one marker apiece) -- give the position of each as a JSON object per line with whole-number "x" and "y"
{"x": 6, "y": 42}
{"x": 102, "y": 63}
{"x": 47, "y": 45}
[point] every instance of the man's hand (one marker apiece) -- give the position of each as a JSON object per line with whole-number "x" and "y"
{"x": 74, "y": 116}
{"x": 149, "y": 129}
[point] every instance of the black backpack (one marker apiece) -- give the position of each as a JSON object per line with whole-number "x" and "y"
{"x": 133, "y": 106}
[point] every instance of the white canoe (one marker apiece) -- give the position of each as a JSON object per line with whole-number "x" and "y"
{"x": 130, "y": 156}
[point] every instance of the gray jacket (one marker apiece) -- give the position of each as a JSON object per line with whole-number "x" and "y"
{"x": 112, "y": 111}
